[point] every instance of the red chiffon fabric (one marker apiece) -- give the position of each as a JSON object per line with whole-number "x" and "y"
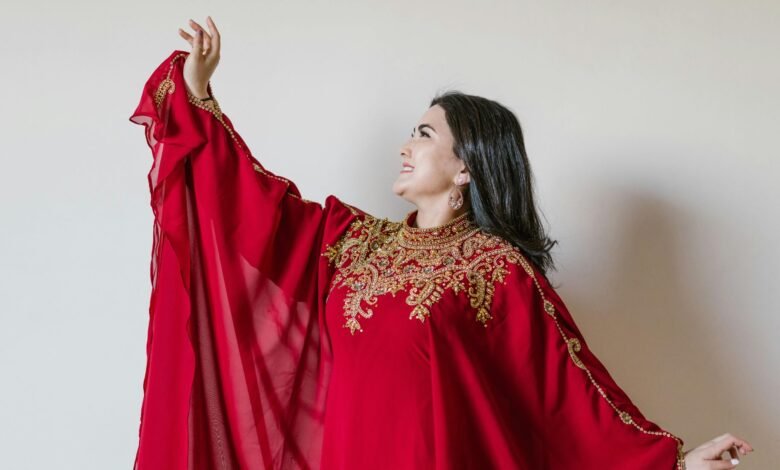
{"x": 249, "y": 364}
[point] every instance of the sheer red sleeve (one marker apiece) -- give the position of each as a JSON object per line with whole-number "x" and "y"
{"x": 564, "y": 403}
{"x": 237, "y": 358}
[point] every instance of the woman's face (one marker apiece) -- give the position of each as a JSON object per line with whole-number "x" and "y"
{"x": 429, "y": 167}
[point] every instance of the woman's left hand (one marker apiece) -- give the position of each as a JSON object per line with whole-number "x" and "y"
{"x": 707, "y": 456}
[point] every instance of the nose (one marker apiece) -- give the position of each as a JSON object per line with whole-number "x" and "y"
{"x": 405, "y": 149}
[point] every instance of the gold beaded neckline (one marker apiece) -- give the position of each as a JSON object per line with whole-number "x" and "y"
{"x": 453, "y": 231}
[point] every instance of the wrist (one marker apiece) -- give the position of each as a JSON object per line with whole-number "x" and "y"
{"x": 201, "y": 94}
{"x": 198, "y": 92}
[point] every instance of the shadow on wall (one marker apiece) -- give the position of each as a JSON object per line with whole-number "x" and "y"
{"x": 654, "y": 330}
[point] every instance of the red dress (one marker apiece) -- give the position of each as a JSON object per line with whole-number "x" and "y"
{"x": 288, "y": 334}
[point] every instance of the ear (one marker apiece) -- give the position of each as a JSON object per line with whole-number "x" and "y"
{"x": 463, "y": 177}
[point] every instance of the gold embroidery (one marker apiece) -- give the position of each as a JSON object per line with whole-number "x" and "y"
{"x": 212, "y": 106}
{"x": 377, "y": 257}
{"x": 352, "y": 209}
{"x": 680, "y": 456}
{"x": 574, "y": 346}
{"x": 548, "y": 307}
{"x": 167, "y": 86}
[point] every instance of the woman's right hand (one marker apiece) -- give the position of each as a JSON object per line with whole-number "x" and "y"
{"x": 203, "y": 59}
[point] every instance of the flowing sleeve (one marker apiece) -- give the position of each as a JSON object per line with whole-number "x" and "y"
{"x": 563, "y": 401}
{"x": 237, "y": 360}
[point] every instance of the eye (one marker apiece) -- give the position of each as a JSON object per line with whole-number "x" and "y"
{"x": 421, "y": 132}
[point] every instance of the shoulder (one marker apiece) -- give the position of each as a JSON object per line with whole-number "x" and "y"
{"x": 340, "y": 221}
{"x": 364, "y": 234}
{"x": 493, "y": 251}
{"x": 336, "y": 208}
{"x": 335, "y": 203}
{"x": 525, "y": 293}
{"x": 366, "y": 226}
{"x": 504, "y": 253}
{"x": 516, "y": 278}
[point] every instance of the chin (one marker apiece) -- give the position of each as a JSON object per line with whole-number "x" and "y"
{"x": 405, "y": 188}
{"x": 399, "y": 189}
{"x": 401, "y": 192}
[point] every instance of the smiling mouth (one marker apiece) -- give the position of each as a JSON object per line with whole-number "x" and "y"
{"x": 407, "y": 168}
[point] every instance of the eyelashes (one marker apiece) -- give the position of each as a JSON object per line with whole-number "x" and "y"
{"x": 421, "y": 132}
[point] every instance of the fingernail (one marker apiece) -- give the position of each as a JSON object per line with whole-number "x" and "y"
{"x": 734, "y": 461}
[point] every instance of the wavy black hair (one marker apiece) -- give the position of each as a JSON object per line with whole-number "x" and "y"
{"x": 489, "y": 140}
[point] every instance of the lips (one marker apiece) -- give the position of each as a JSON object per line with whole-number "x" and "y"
{"x": 406, "y": 168}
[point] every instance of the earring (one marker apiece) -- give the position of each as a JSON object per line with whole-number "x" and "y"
{"x": 456, "y": 200}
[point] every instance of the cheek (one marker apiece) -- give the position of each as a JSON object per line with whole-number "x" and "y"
{"x": 429, "y": 176}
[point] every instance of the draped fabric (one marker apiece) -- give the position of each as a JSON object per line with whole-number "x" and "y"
{"x": 237, "y": 367}
{"x": 287, "y": 334}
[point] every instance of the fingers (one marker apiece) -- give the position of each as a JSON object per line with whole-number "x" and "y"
{"x": 215, "y": 39}
{"x": 744, "y": 449}
{"x": 726, "y": 442}
{"x": 197, "y": 44}
{"x": 740, "y": 443}
{"x": 734, "y": 454}
{"x": 186, "y": 36}
{"x": 206, "y": 38}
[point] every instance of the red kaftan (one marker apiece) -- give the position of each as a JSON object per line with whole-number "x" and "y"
{"x": 288, "y": 334}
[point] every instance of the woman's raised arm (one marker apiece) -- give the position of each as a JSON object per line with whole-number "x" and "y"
{"x": 236, "y": 368}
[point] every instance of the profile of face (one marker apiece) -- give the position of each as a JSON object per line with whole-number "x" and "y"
{"x": 429, "y": 167}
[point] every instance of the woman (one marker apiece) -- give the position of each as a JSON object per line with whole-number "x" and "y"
{"x": 288, "y": 334}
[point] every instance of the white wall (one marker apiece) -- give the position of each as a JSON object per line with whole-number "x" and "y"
{"x": 651, "y": 127}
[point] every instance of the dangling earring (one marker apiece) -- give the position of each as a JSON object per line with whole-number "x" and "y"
{"x": 456, "y": 200}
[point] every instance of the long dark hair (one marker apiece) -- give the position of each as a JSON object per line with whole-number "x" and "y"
{"x": 489, "y": 140}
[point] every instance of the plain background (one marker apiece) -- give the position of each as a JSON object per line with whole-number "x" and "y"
{"x": 651, "y": 128}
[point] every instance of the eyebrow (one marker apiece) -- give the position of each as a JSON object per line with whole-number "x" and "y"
{"x": 420, "y": 127}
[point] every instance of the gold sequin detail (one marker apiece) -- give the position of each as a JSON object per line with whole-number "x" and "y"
{"x": 548, "y": 307}
{"x": 212, "y": 106}
{"x": 377, "y": 257}
{"x": 574, "y": 346}
{"x": 167, "y": 87}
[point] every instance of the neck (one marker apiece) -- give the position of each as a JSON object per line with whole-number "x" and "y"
{"x": 428, "y": 217}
